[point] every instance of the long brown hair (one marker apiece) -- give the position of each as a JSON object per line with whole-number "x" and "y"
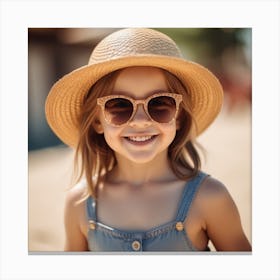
{"x": 94, "y": 158}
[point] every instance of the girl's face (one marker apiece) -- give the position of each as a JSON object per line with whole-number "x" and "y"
{"x": 141, "y": 140}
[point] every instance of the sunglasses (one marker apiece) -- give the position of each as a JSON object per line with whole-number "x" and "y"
{"x": 118, "y": 110}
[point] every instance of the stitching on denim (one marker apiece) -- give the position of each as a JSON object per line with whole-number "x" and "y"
{"x": 158, "y": 231}
{"x": 134, "y": 235}
{"x": 188, "y": 194}
{"x": 90, "y": 209}
{"x": 194, "y": 196}
{"x": 119, "y": 234}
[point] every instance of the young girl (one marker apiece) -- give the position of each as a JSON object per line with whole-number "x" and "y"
{"x": 133, "y": 114}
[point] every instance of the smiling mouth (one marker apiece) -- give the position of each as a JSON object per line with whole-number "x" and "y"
{"x": 141, "y": 139}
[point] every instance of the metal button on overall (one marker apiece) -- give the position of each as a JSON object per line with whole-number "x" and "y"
{"x": 92, "y": 225}
{"x": 179, "y": 226}
{"x": 136, "y": 245}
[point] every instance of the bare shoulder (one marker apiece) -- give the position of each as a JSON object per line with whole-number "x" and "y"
{"x": 213, "y": 191}
{"x": 74, "y": 208}
{"x": 75, "y": 219}
{"x": 221, "y": 217}
{"x": 215, "y": 198}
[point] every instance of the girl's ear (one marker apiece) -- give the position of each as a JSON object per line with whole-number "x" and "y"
{"x": 178, "y": 124}
{"x": 97, "y": 125}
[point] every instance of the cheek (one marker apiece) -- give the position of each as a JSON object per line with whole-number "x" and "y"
{"x": 169, "y": 131}
{"x": 111, "y": 134}
{"x": 173, "y": 133}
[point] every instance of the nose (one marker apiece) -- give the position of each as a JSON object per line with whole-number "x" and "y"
{"x": 140, "y": 118}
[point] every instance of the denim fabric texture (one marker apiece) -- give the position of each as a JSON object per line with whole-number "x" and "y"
{"x": 167, "y": 237}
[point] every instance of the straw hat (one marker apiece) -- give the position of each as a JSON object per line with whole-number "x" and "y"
{"x": 125, "y": 48}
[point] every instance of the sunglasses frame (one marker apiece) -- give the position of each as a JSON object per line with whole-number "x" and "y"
{"x": 101, "y": 101}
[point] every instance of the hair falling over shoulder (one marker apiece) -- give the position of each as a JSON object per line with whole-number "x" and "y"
{"x": 94, "y": 158}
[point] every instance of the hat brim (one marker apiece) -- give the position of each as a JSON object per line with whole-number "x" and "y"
{"x": 66, "y": 96}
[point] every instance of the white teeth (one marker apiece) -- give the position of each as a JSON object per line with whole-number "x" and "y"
{"x": 140, "y": 138}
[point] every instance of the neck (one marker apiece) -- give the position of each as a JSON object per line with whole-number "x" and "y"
{"x": 138, "y": 174}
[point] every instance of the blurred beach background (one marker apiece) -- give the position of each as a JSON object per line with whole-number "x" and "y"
{"x": 54, "y": 52}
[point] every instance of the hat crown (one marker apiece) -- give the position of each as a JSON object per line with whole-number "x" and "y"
{"x": 133, "y": 42}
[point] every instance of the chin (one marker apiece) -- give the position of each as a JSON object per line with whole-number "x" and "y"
{"x": 146, "y": 158}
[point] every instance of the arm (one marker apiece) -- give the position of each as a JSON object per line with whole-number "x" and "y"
{"x": 222, "y": 219}
{"x": 73, "y": 217}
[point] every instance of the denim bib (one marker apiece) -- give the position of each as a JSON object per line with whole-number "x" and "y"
{"x": 170, "y": 236}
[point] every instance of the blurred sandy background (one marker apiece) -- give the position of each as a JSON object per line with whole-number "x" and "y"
{"x": 53, "y": 52}
{"x": 228, "y": 146}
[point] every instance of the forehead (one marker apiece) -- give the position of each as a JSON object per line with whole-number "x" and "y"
{"x": 140, "y": 80}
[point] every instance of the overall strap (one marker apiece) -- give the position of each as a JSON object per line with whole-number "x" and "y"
{"x": 188, "y": 195}
{"x": 91, "y": 208}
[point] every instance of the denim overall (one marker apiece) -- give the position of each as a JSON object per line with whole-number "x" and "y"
{"x": 167, "y": 237}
